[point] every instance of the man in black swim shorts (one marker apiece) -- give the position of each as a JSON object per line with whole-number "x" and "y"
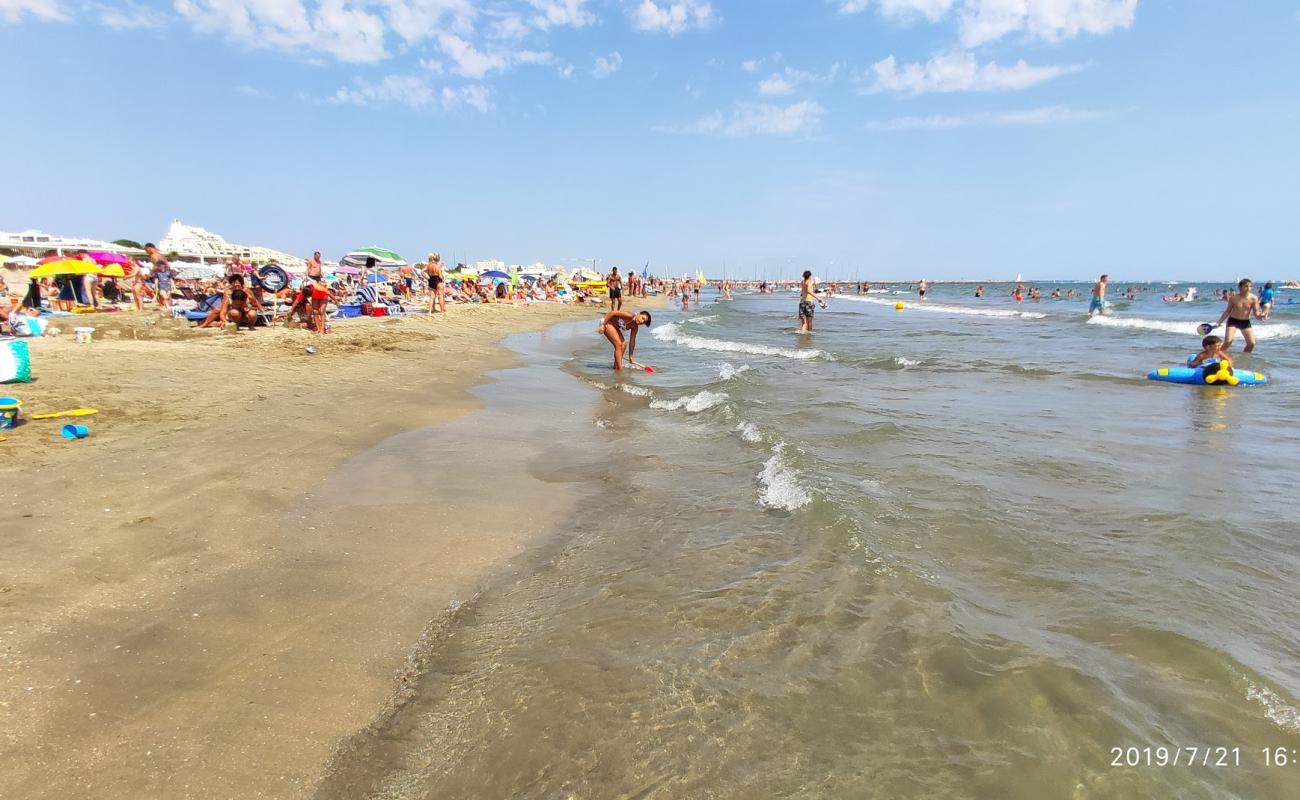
{"x": 1241, "y": 307}
{"x": 615, "y": 284}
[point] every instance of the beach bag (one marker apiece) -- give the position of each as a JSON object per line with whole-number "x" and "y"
{"x": 15, "y": 362}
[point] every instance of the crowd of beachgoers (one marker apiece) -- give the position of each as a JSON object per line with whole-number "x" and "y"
{"x": 251, "y": 295}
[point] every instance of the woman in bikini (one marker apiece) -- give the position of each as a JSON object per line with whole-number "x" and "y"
{"x": 612, "y": 328}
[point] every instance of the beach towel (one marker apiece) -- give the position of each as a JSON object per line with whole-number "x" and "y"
{"x": 15, "y": 362}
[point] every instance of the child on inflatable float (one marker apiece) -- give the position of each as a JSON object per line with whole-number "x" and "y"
{"x": 1214, "y": 360}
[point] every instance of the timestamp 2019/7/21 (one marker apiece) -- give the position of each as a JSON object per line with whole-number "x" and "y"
{"x": 1200, "y": 756}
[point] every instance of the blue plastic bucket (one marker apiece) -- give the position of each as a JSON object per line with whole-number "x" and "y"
{"x": 9, "y": 407}
{"x": 74, "y": 431}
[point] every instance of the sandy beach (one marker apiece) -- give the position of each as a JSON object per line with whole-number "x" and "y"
{"x": 173, "y": 624}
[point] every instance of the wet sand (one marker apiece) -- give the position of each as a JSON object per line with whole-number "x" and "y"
{"x": 181, "y": 616}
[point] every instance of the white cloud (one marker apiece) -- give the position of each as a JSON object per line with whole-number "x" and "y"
{"x": 750, "y": 65}
{"x": 345, "y": 32}
{"x": 12, "y": 11}
{"x": 607, "y": 65}
{"x": 751, "y": 119}
{"x": 470, "y": 62}
{"x": 130, "y": 16}
{"x": 1047, "y": 115}
{"x": 933, "y": 10}
{"x": 775, "y": 84}
{"x": 789, "y": 79}
{"x": 673, "y": 16}
{"x": 474, "y": 96}
{"x": 250, "y": 91}
{"x": 555, "y": 13}
{"x": 960, "y": 72}
{"x": 411, "y": 91}
{"x": 983, "y": 21}
{"x": 417, "y": 20}
{"x": 510, "y": 26}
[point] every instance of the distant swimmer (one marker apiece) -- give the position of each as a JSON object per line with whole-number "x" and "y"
{"x": 979, "y": 291}
{"x": 1098, "y": 303}
{"x": 612, "y": 328}
{"x": 1241, "y": 307}
{"x": 807, "y": 295}
{"x": 1266, "y": 300}
{"x": 920, "y": 289}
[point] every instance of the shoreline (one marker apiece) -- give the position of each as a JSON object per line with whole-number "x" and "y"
{"x": 174, "y": 624}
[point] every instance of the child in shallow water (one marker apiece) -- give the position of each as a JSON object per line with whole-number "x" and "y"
{"x": 1212, "y": 352}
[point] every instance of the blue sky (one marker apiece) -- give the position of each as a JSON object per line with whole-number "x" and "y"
{"x": 873, "y": 138}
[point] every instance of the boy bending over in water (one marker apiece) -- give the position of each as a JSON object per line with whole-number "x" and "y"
{"x": 612, "y": 327}
{"x": 1212, "y": 350}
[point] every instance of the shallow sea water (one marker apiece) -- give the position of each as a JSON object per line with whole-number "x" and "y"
{"x": 962, "y": 550}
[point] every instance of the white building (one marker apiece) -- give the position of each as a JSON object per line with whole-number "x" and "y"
{"x": 485, "y": 266}
{"x": 191, "y": 242}
{"x": 37, "y": 244}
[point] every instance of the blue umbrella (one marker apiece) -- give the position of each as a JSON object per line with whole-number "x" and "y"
{"x": 494, "y": 273}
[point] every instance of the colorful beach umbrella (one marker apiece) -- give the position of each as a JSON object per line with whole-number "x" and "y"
{"x": 102, "y": 257}
{"x": 66, "y": 266}
{"x": 494, "y": 273}
{"x": 384, "y": 259}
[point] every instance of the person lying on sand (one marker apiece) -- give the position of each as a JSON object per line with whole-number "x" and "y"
{"x": 612, "y": 327}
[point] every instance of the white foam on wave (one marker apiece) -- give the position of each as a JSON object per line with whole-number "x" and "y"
{"x": 944, "y": 308}
{"x": 749, "y": 432}
{"x": 701, "y": 320}
{"x": 692, "y": 403}
{"x": 1263, "y": 330}
{"x": 672, "y": 333}
{"x": 635, "y": 391}
{"x": 906, "y": 362}
{"x": 780, "y": 484}
{"x": 1278, "y": 711}
{"x": 728, "y": 371}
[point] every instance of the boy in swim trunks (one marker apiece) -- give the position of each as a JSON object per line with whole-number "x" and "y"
{"x": 612, "y": 327}
{"x": 807, "y": 294}
{"x": 1212, "y": 351}
{"x": 1098, "y": 303}
{"x": 1241, "y": 307}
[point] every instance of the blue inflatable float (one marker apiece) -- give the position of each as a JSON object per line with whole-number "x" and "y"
{"x": 1214, "y": 373}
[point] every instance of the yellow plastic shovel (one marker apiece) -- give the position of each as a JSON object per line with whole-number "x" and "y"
{"x": 76, "y": 412}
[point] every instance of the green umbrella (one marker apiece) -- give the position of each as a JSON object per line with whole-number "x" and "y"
{"x": 384, "y": 259}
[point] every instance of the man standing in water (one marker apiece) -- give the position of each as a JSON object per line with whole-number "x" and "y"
{"x": 615, "y": 284}
{"x": 807, "y": 294}
{"x": 1098, "y": 303}
{"x": 920, "y": 289}
{"x": 1241, "y": 307}
{"x": 612, "y": 327}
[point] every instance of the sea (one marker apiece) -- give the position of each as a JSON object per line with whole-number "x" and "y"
{"x": 964, "y": 549}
